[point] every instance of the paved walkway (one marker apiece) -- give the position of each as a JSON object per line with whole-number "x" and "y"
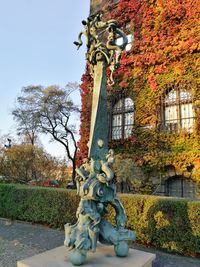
{"x": 22, "y": 240}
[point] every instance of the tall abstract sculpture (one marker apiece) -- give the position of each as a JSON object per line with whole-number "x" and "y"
{"x": 95, "y": 176}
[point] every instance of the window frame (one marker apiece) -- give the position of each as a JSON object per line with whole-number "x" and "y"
{"x": 123, "y": 111}
{"x": 178, "y": 105}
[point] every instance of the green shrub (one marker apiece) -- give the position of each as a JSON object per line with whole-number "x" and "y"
{"x": 49, "y": 206}
{"x": 168, "y": 223}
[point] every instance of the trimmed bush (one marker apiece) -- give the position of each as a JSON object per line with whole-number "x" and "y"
{"x": 168, "y": 223}
{"x": 43, "y": 205}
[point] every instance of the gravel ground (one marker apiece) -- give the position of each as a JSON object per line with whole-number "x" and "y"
{"x": 21, "y": 240}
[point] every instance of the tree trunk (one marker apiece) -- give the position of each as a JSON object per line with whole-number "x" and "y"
{"x": 74, "y": 171}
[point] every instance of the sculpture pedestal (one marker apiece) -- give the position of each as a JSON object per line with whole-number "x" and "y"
{"x": 104, "y": 256}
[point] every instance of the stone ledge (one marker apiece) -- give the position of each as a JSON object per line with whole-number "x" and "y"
{"x": 104, "y": 256}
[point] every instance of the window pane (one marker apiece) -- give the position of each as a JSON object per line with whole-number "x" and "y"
{"x": 117, "y": 126}
{"x": 130, "y": 39}
{"x": 187, "y": 111}
{"x": 129, "y": 118}
{"x": 178, "y": 110}
{"x": 117, "y": 133}
{"x": 171, "y": 97}
{"x": 128, "y": 131}
{"x": 171, "y": 118}
{"x": 119, "y": 41}
{"x": 118, "y": 106}
{"x": 128, "y": 103}
{"x": 123, "y": 118}
{"x": 117, "y": 120}
{"x": 185, "y": 95}
{"x": 128, "y": 47}
{"x": 187, "y": 116}
{"x": 171, "y": 114}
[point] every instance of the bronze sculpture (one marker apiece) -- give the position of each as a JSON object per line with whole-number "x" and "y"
{"x": 95, "y": 176}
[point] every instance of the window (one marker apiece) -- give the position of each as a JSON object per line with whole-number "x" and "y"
{"x": 179, "y": 186}
{"x": 119, "y": 41}
{"x": 122, "y": 119}
{"x": 178, "y": 111}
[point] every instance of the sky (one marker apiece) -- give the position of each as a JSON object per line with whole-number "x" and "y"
{"x": 36, "y": 48}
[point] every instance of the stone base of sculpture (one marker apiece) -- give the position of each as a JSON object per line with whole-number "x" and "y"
{"x": 104, "y": 256}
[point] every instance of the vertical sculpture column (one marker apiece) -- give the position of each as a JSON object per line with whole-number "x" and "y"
{"x": 95, "y": 176}
{"x": 99, "y": 116}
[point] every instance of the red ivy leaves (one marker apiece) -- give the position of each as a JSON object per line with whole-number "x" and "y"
{"x": 164, "y": 31}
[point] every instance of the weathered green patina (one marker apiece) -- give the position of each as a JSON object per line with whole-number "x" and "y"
{"x": 95, "y": 176}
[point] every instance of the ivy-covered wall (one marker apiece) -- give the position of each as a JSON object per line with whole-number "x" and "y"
{"x": 165, "y": 52}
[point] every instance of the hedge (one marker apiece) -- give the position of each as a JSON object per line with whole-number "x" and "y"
{"x": 167, "y": 223}
{"x": 50, "y": 206}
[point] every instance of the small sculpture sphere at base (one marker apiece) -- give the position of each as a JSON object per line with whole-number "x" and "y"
{"x": 121, "y": 249}
{"x": 77, "y": 258}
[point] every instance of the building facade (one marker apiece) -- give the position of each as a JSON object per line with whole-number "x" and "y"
{"x": 154, "y": 106}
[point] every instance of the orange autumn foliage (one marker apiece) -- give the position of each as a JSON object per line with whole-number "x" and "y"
{"x": 165, "y": 51}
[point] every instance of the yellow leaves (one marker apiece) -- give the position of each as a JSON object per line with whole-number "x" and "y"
{"x": 161, "y": 220}
{"x": 197, "y": 61}
{"x": 196, "y": 170}
{"x": 137, "y": 71}
{"x": 178, "y": 68}
{"x": 172, "y": 245}
{"x": 193, "y": 216}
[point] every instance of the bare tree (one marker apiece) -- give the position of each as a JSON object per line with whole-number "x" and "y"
{"x": 51, "y": 110}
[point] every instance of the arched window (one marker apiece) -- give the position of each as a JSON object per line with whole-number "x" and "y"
{"x": 178, "y": 110}
{"x": 122, "y": 119}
